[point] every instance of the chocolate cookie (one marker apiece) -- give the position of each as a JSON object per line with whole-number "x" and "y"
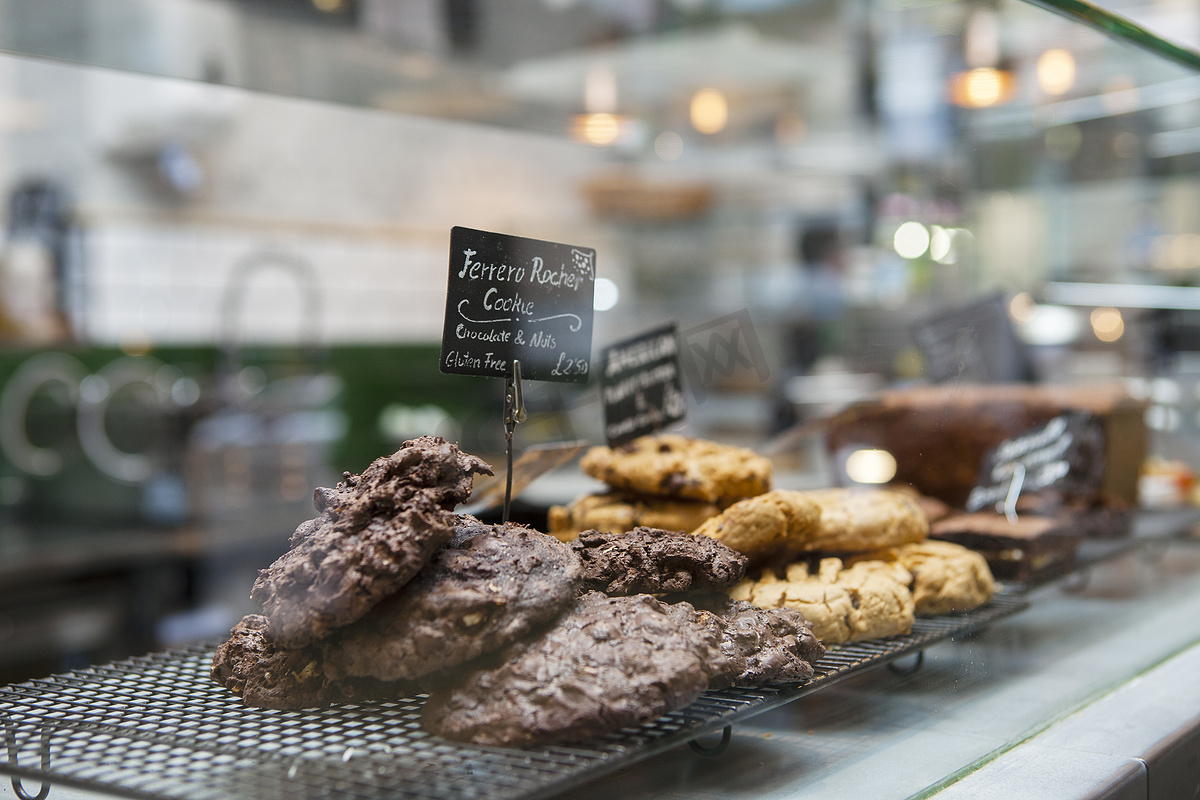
{"x": 375, "y": 531}
{"x": 609, "y": 663}
{"x": 489, "y": 586}
{"x": 761, "y": 646}
{"x": 681, "y": 467}
{"x": 865, "y": 601}
{"x": 617, "y": 512}
{"x": 266, "y": 675}
{"x": 647, "y": 560}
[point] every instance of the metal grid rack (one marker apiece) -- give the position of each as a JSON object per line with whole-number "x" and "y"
{"x": 158, "y": 727}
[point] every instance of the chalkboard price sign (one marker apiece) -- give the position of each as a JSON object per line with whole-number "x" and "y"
{"x": 515, "y": 298}
{"x": 640, "y": 385}
{"x": 974, "y": 342}
{"x": 1066, "y": 454}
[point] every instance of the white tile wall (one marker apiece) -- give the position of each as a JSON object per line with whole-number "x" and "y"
{"x": 366, "y": 198}
{"x": 168, "y": 285}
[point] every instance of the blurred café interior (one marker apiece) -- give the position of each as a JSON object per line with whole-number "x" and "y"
{"x": 225, "y": 226}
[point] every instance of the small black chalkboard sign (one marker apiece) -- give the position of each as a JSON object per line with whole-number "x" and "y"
{"x": 1066, "y": 454}
{"x": 515, "y": 298}
{"x": 640, "y": 385}
{"x": 973, "y": 342}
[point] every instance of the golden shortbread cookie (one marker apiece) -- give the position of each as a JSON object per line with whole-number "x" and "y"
{"x": 844, "y": 604}
{"x": 616, "y": 512}
{"x": 857, "y": 520}
{"x": 677, "y": 466}
{"x": 945, "y": 576}
{"x": 770, "y": 527}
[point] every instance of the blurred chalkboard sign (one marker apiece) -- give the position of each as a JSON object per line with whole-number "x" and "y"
{"x": 1066, "y": 454}
{"x": 515, "y": 298}
{"x": 641, "y": 385}
{"x": 973, "y": 343}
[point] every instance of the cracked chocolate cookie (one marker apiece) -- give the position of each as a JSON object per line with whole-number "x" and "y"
{"x": 866, "y": 601}
{"x": 609, "y": 663}
{"x": 266, "y": 675}
{"x": 678, "y": 466}
{"x": 617, "y": 512}
{"x": 489, "y": 586}
{"x": 374, "y": 533}
{"x": 761, "y": 646}
{"x": 647, "y": 560}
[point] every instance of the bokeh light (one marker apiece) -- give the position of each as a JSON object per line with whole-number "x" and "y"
{"x": 870, "y": 466}
{"x": 1107, "y": 324}
{"x": 709, "y": 111}
{"x": 1056, "y": 72}
{"x": 911, "y": 240}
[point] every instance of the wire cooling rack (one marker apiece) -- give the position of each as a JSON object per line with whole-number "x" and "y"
{"x": 158, "y": 727}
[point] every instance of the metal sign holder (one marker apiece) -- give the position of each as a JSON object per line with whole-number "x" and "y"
{"x": 514, "y": 412}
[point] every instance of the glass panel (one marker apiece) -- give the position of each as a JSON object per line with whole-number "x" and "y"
{"x": 245, "y": 207}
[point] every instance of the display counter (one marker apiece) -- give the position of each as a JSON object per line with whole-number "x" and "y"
{"x": 1061, "y": 700}
{"x": 1087, "y": 692}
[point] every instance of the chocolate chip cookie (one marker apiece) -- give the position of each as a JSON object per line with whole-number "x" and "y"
{"x": 374, "y": 532}
{"x": 609, "y": 663}
{"x": 678, "y": 466}
{"x": 617, "y": 512}
{"x": 647, "y": 560}
{"x": 761, "y": 646}
{"x": 865, "y": 601}
{"x": 488, "y": 587}
{"x": 266, "y": 675}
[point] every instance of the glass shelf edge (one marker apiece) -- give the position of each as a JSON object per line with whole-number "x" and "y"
{"x": 1121, "y": 28}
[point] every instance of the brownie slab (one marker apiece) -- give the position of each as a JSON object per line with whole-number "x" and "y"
{"x": 1029, "y": 547}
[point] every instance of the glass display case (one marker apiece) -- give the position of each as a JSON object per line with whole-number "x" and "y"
{"x": 223, "y": 277}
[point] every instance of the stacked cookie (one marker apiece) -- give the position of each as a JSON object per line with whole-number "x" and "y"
{"x": 666, "y": 482}
{"x": 518, "y": 638}
{"x": 621, "y": 656}
{"x": 374, "y": 534}
{"x": 855, "y": 562}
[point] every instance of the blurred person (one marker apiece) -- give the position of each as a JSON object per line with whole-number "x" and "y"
{"x": 810, "y": 326}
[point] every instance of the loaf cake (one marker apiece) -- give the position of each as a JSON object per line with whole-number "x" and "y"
{"x": 939, "y": 435}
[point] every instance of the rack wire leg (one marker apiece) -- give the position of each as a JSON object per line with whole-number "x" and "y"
{"x": 715, "y": 750}
{"x": 10, "y": 741}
